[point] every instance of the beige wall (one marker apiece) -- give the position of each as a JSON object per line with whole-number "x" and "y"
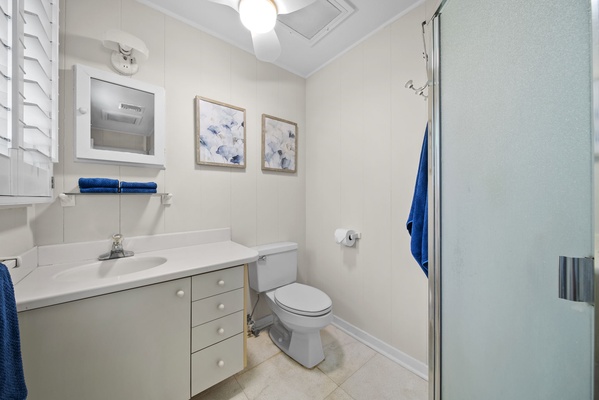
{"x": 365, "y": 132}
{"x": 354, "y": 107}
{"x": 259, "y": 207}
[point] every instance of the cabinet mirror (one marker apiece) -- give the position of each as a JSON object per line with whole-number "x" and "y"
{"x": 118, "y": 120}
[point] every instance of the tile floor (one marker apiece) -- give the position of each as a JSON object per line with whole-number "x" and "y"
{"x": 350, "y": 371}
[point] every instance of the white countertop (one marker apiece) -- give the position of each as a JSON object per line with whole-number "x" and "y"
{"x": 40, "y": 289}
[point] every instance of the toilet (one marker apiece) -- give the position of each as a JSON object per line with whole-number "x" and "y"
{"x": 299, "y": 311}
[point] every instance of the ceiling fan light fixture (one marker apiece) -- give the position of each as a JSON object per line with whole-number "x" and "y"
{"x": 259, "y": 16}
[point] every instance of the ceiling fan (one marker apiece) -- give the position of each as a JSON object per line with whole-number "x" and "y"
{"x": 260, "y": 17}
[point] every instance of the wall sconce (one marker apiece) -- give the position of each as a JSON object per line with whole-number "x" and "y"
{"x": 126, "y": 51}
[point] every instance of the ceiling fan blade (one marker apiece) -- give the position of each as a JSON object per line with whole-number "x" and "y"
{"x": 234, "y": 4}
{"x": 266, "y": 46}
{"x": 289, "y": 6}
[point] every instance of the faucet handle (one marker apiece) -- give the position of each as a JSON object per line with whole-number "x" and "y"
{"x": 117, "y": 242}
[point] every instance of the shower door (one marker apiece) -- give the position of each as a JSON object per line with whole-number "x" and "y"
{"x": 512, "y": 190}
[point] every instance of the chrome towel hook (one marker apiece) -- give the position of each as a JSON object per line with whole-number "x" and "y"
{"x": 410, "y": 84}
{"x": 419, "y": 91}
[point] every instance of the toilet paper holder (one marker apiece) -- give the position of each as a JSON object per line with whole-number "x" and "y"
{"x": 355, "y": 235}
{"x": 347, "y": 237}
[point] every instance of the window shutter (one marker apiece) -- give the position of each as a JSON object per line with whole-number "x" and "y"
{"x": 39, "y": 89}
{"x": 5, "y": 76}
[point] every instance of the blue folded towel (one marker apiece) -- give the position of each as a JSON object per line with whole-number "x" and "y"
{"x": 12, "y": 379}
{"x": 98, "y": 182}
{"x": 418, "y": 220}
{"x": 137, "y": 190}
{"x": 99, "y": 190}
{"x": 139, "y": 185}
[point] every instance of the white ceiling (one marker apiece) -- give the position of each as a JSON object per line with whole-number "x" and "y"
{"x": 297, "y": 55}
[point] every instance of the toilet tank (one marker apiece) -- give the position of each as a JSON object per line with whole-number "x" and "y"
{"x": 277, "y": 266}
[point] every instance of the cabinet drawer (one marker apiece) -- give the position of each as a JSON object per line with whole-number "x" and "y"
{"x": 216, "y": 307}
{"x": 215, "y": 331}
{"x": 212, "y": 283}
{"x": 216, "y": 363}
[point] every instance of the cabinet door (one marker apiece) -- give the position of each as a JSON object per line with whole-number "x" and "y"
{"x": 127, "y": 345}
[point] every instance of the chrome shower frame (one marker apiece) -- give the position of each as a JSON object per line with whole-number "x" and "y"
{"x": 595, "y": 111}
{"x": 434, "y": 213}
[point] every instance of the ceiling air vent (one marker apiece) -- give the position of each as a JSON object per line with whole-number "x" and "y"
{"x": 315, "y": 21}
{"x": 122, "y": 118}
{"x": 131, "y": 107}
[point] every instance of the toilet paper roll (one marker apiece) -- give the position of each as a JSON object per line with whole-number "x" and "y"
{"x": 345, "y": 237}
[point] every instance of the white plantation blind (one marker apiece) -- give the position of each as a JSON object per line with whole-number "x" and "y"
{"x": 28, "y": 99}
{"x": 39, "y": 89}
{"x": 5, "y": 76}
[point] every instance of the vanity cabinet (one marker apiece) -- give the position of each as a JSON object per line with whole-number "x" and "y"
{"x": 132, "y": 344}
{"x": 217, "y": 320}
{"x": 169, "y": 340}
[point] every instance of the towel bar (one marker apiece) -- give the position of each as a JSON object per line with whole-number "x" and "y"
{"x": 15, "y": 259}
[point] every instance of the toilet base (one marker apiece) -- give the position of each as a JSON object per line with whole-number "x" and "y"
{"x": 303, "y": 347}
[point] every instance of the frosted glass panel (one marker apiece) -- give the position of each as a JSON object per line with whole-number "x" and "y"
{"x": 516, "y": 193}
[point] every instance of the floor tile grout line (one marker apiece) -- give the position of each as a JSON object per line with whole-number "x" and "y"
{"x": 241, "y": 386}
{"x": 358, "y": 370}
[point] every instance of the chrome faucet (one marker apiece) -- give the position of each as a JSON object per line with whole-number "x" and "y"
{"x": 117, "y": 250}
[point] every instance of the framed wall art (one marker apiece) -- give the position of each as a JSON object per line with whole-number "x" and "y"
{"x": 279, "y": 144}
{"x": 220, "y": 134}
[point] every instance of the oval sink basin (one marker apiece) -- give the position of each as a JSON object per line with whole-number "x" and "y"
{"x": 110, "y": 268}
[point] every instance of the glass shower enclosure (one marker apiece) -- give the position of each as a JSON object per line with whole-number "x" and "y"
{"x": 511, "y": 189}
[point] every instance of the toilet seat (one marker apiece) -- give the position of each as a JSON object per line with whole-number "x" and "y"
{"x": 303, "y": 300}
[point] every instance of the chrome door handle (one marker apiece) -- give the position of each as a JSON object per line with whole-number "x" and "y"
{"x": 577, "y": 279}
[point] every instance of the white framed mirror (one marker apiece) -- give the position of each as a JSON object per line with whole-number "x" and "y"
{"x": 118, "y": 120}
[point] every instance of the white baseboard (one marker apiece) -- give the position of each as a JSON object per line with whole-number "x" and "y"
{"x": 406, "y": 361}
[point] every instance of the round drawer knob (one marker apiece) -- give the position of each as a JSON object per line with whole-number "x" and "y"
{"x": 221, "y": 283}
{"x": 180, "y": 293}
{"x": 83, "y": 110}
{"x": 221, "y": 363}
{"x": 221, "y": 331}
{"x": 221, "y": 306}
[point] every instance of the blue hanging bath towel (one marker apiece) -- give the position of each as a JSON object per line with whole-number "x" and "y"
{"x": 418, "y": 220}
{"x": 85, "y": 183}
{"x": 139, "y": 185}
{"x": 12, "y": 380}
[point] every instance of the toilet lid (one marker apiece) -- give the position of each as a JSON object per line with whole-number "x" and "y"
{"x": 303, "y": 300}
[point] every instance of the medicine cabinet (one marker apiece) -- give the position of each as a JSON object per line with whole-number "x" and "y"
{"x": 118, "y": 120}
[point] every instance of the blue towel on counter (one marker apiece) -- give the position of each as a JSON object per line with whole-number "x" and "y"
{"x": 98, "y": 183}
{"x": 418, "y": 220}
{"x": 99, "y": 190}
{"x": 137, "y": 190}
{"x": 139, "y": 185}
{"x": 12, "y": 379}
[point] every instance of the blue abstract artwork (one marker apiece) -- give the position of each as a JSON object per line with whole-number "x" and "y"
{"x": 279, "y": 144}
{"x": 220, "y": 133}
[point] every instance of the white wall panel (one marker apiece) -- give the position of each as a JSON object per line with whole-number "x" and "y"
{"x": 365, "y": 131}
